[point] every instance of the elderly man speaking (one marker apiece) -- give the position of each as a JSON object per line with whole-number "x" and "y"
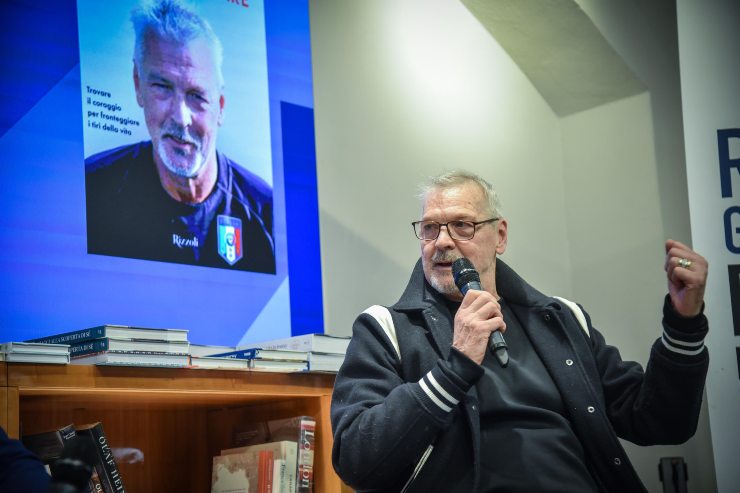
{"x": 424, "y": 402}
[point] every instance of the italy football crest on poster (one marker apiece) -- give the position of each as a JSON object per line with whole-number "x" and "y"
{"x": 230, "y": 239}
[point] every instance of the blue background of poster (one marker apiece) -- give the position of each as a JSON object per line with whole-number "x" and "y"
{"x": 50, "y": 284}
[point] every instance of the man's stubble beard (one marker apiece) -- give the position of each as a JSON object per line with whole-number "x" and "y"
{"x": 191, "y": 170}
{"x": 444, "y": 283}
{"x": 193, "y": 163}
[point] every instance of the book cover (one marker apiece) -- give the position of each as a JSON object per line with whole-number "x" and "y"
{"x": 141, "y": 345}
{"x": 48, "y": 445}
{"x": 249, "y": 471}
{"x": 95, "y": 484}
{"x": 278, "y": 476}
{"x": 284, "y": 450}
{"x": 34, "y": 347}
{"x": 325, "y": 362}
{"x": 116, "y": 332}
{"x": 219, "y": 363}
{"x": 106, "y": 466}
{"x": 52, "y": 358}
{"x": 261, "y": 353}
{"x": 322, "y": 343}
{"x": 208, "y": 349}
{"x": 137, "y": 358}
{"x": 277, "y": 365}
{"x": 301, "y": 429}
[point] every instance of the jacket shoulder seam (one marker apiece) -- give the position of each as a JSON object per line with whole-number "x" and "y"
{"x": 383, "y": 317}
{"x": 577, "y": 312}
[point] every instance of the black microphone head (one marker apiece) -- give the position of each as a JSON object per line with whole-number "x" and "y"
{"x": 464, "y": 272}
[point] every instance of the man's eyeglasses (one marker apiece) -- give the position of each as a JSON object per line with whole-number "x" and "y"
{"x": 458, "y": 230}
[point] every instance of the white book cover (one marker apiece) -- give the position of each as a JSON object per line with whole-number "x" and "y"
{"x": 323, "y": 343}
{"x": 278, "y": 477}
{"x": 285, "y": 450}
{"x": 235, "y": 473}
{"x": 34, "y": 347}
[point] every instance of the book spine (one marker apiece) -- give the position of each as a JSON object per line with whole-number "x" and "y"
{"x": 264, "y": 474}
{"x": 297, "y": 343}
{"x": 306, "y": 447}
{"x": 96, "y": 486}
{"x": 88, "y": 347}
{"x": 97, "y": 482}
{"x": 112, "y": 475}
{"x": 278, "y": 476}
{"x": 240, "y": 354}
{"x": 72, "y": 337}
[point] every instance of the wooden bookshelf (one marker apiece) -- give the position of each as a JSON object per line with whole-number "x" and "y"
{"x": 170, "y": 422}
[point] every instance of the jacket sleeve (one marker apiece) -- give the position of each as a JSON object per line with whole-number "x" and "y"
{"x": 382, "y": 424}
{"x": 660, "y": 405}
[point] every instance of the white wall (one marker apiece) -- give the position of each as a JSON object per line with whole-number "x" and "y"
{"x": 643, "y": 179}
{"x": 617, "y": 234}
{"x": 407, "y": 88}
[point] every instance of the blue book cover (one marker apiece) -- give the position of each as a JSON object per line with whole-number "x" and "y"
{"x": 136, "y": 345}
{"x": 259, "y": 353}
{"x": 116, "y": 332}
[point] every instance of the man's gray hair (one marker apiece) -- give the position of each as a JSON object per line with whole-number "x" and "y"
{"x": 172, "y": 20}
{"x": 450, "y": 179}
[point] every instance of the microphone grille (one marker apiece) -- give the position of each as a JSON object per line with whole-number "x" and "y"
{"x": 464, "y": 272}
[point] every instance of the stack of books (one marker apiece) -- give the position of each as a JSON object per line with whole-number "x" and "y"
{"x": 124, "y": 345}
{"x": 200, "y": 357}
{"x": 34, "y": 352}
{"x": 259, "y": 359}
{"x": 270, "y": 456}
{"x": 51, "y": 445}
{"x": 325, "y": 352}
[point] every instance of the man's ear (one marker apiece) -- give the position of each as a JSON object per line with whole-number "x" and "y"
{"x": 221, "y": 103}
{"x": 502, "y": 236}
{"x": 137, "y": 87}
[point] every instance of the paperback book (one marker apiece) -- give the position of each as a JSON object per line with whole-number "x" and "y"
{"x": 115, "y": 332}
{"x": 138, "y": 358}
{"x": 277, "y": 365}
{"x": 300, "y": 429}
{"x": 217, "y": 363}
{"x": 249, "y": 471}
{"x": 284, "y": 451}
{"x": 137, "y": 345}
{"x": 322, "y": 343}
{"x": 324, "y": 362}
{"x": 32, "y": 352}
{"x": 260, "y": 353}
{"x": 50, "y": 446}
{"x": 106, "y": 467}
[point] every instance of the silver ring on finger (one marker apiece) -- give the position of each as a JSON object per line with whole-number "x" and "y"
{"x": 684, "y": 262}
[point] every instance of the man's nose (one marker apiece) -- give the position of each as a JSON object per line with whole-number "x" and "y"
{"x": 181, "y": 113}
{"x": 444, "y": 240}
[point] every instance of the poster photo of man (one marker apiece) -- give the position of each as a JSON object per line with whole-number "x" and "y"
{"x": 178, "y": 161}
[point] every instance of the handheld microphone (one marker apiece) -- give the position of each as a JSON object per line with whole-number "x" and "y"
{"x": 467, "y": 278}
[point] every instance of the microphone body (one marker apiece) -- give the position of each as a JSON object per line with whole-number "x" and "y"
{"x": 467, "y": 278}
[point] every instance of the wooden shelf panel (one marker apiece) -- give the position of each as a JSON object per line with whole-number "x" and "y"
{"x": 170, "y": 422}
{"x": 42, "y": 378}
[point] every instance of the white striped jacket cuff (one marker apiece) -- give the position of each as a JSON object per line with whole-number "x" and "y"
{"x": 682, "y": 347}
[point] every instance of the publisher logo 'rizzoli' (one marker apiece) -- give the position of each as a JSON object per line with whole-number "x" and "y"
{"x": 181, "y": 242}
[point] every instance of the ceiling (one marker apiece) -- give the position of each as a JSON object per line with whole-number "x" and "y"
{"x": 560, "y": 50}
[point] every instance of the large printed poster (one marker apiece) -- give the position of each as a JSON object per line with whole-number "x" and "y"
{"x": 176, "y": 100}
{"x": 710, "y": 76}
{"x": 170, "y": 186}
